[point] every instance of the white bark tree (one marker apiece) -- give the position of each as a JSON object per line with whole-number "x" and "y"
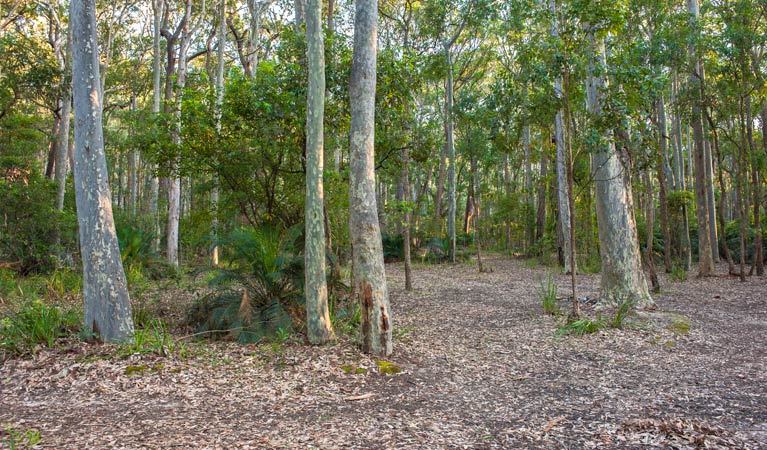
{"x": 318, "y": 326}
{"x": 369, "y": 276}
{"x": 562, "y": 163}
{"x": 105, "y": 289}
{"x": 622, "y": 275}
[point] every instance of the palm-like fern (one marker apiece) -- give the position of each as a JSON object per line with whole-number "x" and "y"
{"x": 262, "y": 290}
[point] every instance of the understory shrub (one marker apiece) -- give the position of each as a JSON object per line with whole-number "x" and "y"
{"x": 548, "y": 295}
{"x": 260, "y": 292}
{"x": 35, "y": 324}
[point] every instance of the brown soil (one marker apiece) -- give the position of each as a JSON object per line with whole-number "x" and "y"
{"x": 482, "y": 368}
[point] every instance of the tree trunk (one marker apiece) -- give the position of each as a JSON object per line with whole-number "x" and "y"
{"x": 368, "y": 272}
{"x": 711, "y": 202}
{"x": 650, "y": 218}
{"x": 105, "y": 289}
{"x": 665, "y": 180}
{"x": 507, "y": 191}
{"x": 221, "y": 31}
{"x": 154, "y": 196}
{"x": 475, "y": 182}
{"x": 705, "y": 255}
{"x": 405, "y": 180}
{"x": 318, "y": 327}
{"x": 563, "y": 204}
{"x": 540, "y": 222}
{"x": 622, "y": 276}
{"x": 451, "y": 194}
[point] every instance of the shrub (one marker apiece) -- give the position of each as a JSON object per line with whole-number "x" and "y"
{"x": 260, "y": 293}
{"x": 393, "y": 247}
{"x": 35, "y": 324}
{"x": 581, "y": 327}
{"x": 548, "y": 295}
{"x": 137, "y": 252}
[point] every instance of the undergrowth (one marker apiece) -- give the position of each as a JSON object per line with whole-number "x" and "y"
{"x": 35, "y": 324}
{"x": 548, "y": 296}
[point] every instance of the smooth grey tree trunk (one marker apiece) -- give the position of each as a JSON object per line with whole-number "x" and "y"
{"x": 622, "y": 275}
{"x": 156, "y": 97}
{"x": 318, "y": 326}
{"x": 451, "y": 181}
{"x": 563, "y": 204}
{"x": 705, "y": 253}
{"x": 368, "y": 272}
{"x": 711, "y": 199}
{"x": 221, "y": 31}
{"x": 105, "y": 289}
{"x": 174, "y": 191}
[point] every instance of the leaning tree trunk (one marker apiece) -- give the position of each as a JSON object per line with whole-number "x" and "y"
{"x": 369, "y": 276}
{"x": 622, "y": 275}
{"x": 318, "y": 327}
{"x": 105, "y": 289}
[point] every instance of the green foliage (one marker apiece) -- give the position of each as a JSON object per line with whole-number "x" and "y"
{"x": 260, "y": 293}
{"x": 137, "y": 250}
{"x": 677, "y": 199}
{"x": 623, "y": 310}
{"x": 152, "y": 337}
{"x": 393, "y": 247}
{"x": 30, "y": 225}
{"x": 678, "y": 273}
{"x": 582, "y": 327}
{"x": 35, "y": 324}
{"x": 388, "y": 367}
{"x": 548, "y": 296}
{"x": 29, "y": 438}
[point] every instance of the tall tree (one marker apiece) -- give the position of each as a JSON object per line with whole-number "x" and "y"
{"x": 318, "y": 326}
{"x": 705, "y": 254}
{"x": 622, "y": 276}
{"x": 562, "y": 160}
{"x": 368, "y": 272}
{"x": 105, "y": 289}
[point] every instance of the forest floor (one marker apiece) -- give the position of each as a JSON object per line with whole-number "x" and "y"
{"x": 482, "y": 367}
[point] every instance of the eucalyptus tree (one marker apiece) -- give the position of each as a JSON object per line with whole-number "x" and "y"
{"x": 622, "y": 278}
{"x": 105, "y": 289}
{"x": 696, "y": 81}
{"x": 368, "y": 273}
{"x": 319, "y": 328}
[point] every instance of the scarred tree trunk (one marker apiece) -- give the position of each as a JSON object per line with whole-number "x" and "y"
{"x": 318, "y": 327}
{"x": 622, "y": 275}
{"x": 369, "y": 276}
{"x": 105, "y": 289}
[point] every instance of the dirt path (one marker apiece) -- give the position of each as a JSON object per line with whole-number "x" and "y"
{"x": 482, "y": 368}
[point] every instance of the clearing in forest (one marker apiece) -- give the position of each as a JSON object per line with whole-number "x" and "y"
{"x": 476, "y": 365}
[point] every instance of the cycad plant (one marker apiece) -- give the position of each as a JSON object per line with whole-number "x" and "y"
{"x": 260, "y": 292}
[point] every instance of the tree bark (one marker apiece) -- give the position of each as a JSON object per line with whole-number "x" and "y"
{"x": 105, "y": 289}
{"x": 705, "y": 255}
{"x": 221, "y": 31}
{"x": 622, "y": 275}
{"x": 561, "y": 161}
{"x": 318, "y": 326}
{"x": 369, "y": 277}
